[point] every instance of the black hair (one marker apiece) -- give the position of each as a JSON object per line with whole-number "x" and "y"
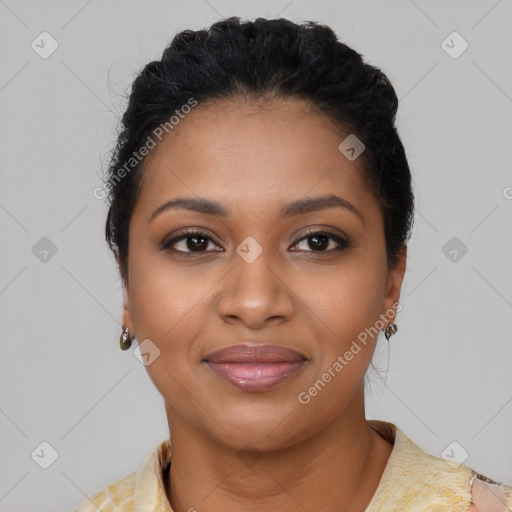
{"x": 264, "y": 59}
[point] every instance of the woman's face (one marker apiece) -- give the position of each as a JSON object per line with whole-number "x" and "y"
{"x": 256, "y": 274}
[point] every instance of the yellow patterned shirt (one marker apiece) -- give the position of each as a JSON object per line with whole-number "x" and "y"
{"x": 412, "y": 481}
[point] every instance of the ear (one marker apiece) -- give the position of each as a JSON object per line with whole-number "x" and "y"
{"x": 127, "y": 311}
{"x": 127, "y": 318}
{"x": 394, "y": 286}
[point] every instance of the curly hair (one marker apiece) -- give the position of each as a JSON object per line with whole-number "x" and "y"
{"x": 259, "y": 60}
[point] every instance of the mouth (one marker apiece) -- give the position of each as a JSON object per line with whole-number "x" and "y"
{"x": 255, "y": 367}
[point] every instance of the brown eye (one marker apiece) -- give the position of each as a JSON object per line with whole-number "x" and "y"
{"x": 191, "y": 241}
{"x": 319, "y": 241}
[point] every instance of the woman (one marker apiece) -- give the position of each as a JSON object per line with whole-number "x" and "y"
{"x": 260, "y": 205}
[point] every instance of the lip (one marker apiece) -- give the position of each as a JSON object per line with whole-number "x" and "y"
{"x": 253, "y": 367}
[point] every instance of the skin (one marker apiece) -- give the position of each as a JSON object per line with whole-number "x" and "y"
{"x": 253, "y": 158}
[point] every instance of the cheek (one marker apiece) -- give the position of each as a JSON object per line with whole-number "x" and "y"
{"x": 171, "y": 306}
{"x": 166, "y": 309}
{"x": 164, "y": 300}
{"x": 345, "y": 298}
{"x": 345, "y": 308}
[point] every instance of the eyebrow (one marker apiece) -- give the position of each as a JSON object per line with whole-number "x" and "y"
{"x": 298, "y": 207}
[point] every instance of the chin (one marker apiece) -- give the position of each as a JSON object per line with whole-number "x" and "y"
{"x": 272, "y": 429}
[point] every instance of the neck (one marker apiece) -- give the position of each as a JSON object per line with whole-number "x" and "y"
{"x": 338, "y": 469}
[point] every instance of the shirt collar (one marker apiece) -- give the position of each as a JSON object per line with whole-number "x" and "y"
{"x": 149, "y": 493}
{"x": 416, "y": 479}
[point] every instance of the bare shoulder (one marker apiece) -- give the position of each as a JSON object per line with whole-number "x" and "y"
{"x": 116, "y": 497}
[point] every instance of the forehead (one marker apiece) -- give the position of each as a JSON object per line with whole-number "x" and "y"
{"x": 252, "y": 153}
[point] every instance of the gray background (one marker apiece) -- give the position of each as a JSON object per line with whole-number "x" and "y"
{"x": 64, "y": 380}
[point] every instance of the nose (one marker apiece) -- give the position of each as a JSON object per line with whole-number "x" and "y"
{"x": 255, "y": 293}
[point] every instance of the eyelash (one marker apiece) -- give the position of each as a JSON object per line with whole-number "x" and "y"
{"x": 343, "y": 243}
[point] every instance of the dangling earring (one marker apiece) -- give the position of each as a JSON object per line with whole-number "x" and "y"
{"x": 126, "y": 340}
{"x": 390, "y": 330}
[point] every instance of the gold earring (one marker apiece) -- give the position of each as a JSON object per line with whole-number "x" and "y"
{"x": 126, "y": 340}
{"x": 390, "y": 330}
